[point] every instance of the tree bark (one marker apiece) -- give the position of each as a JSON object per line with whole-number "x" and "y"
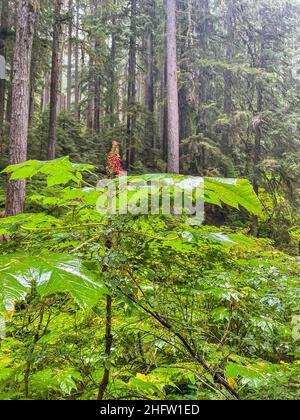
{"x": 69, "y": 67}
{"x": 203, "y": 42}
{"x": 163, "y": 119}
{"x": 45, "y": 93}
{"x": 226, "y": 144}
{"x": 97, "y": 100}
{"x": 3, "y": 31}
{"x": 9, "y": 101}
{"x": 149, "y": 79}
{"x": 173, "y": 111}
{"x": 31, "y": 101}
{"x": 184, "y": 94}
{"x": 112, "y": 109}
{"x": 90, "y": 106}
{"x": 26, "y": 15}
{"x": 131, "y": 117}
{"x": 55, "y": 76}
{"x": 76, "y": 77}
{"x": 257, "y": 152}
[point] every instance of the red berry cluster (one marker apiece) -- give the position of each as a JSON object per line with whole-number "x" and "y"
{"x": 114, "y": 164}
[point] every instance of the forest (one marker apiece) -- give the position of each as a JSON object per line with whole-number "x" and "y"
{"x": 149, "y": 200}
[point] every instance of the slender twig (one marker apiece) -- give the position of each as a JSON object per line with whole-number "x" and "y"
{"x": 217, "y": 376}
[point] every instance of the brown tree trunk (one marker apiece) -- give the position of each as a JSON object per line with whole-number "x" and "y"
{"x": 26, "y": 16}
{"x": 113, "y": 84}
{"x": 131, "y": 117}
{"x": 163, "y": 119}
{"x": 33, "y": 77}
{"x": 31, "y": 103}
{"x": 76, "y": 77}
{"x": 42, "y": 97}
{"x": 97, "y": 101}
{"x": 61, "y": 97}
{"x": 69, "y": 67}
{"x": 55, "y": 75}
{"x": 45, "y": 93}
{"x": 173, "y": 112}
{"x": 90, "y": 106}
{"x": 185, "y": 31}
{"x": 8, "y": 103}
{"x": 3, "y": 31}
{"x": 149, "y": 80}
{"x": 226, "y": 143}
{"x": 257, "y": 153}
{"x": 203, "y": 42}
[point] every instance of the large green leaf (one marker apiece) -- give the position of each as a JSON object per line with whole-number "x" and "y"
{"x": 233, "y": 192}
{"x": 59, "y": 171}
{"x": 250, "y": 375}
{"x": 55, "y": 379}
{"x": 12, "y": 225}
{"x": 48, "y": 274}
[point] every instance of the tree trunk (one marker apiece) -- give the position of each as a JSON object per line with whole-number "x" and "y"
{"x": 76, "y": 77}
{"x": 47, "y": 90}
{"x": 55, "y": 75}
{"x": 33, "y": 75}
{"x": 45, "y": 93}
{"x": 113, "y": 86}
{"x": 3, "y": 31}
{"x": 31, "y": 102}
{"x": 131, "y": 117}
{"x": 203, "y": 42}
{"x": 8, "y": 103}
{"x": 258, "y": 125}
{"x": 90, "y": 106}
{"x": 26, "y": 16}
{"x": 163, "y": 118}
{"x": 184, "y": 95}
{"x": 97, "y": 101}
{"x": 226, "y": 143}
{"x": 149, "y": 80}
{"x": 173, "y": 112}
{"x": 257, "y": 152}
{"x": 69, "y": 67}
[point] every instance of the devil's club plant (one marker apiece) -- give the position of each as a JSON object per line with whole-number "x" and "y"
{"x": 161, "y": 278}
